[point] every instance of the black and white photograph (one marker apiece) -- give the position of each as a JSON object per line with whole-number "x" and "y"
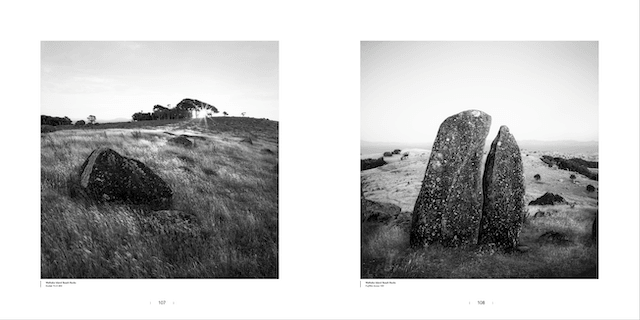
{"x": 159, "y": 159}
{"x": 197, "y": 159}
{"x": 479, "y": 159}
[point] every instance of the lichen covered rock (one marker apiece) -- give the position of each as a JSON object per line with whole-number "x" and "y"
{"x": 106, "y": 176}
{"x": 503, "y": 191}
{"x": 449, "y": 205}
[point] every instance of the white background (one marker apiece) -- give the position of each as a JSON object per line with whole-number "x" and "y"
{"x": 319, "y": 153}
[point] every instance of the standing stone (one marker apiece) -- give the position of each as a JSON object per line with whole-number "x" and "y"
{"x": 106, "y": 176}
{"x": 449, "y": 205}
{"x": 503, "y": 189}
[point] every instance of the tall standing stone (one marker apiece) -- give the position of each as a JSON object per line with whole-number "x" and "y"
{"x": 503, "y": 189}
{"x": 449, "y": 205}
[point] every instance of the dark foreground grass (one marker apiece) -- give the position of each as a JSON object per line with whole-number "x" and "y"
{"x": 230, "y": 188}
{"x": 386, "y": 253}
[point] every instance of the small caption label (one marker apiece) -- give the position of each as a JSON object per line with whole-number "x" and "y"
{"x": 378, "y": 284}
{"x": 480, "y": 302}
{"x": 57, "y": 284}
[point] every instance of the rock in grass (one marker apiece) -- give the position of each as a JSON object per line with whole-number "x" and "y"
{"x": 554, "y": 237}
{"x": 181, "y": 141}
{"x": 449, "y": 205}
{"x": 246, "y": 140}
{"x": 548, "y": 199}
{"x": 373, "y": 211}
{"x": 106, "y": 176}
{"x": 503, "y": 190}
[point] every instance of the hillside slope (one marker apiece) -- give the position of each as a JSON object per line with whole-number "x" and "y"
{"x": 230, "y": 185}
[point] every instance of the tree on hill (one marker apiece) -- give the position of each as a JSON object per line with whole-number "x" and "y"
{"x": 54, "y": 121}
{"x": 196, "y": 106}
{"x": 92, "y": 119}
{"x": 225, "y": 113}
{"x": 160, "y": 112}
{"x": 243, "y": 114}
{"x": 141, "y": 116}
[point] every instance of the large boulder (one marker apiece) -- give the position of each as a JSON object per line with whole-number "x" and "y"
{"x": 503, "y": 190}
{"x": 449, "y": 205}
{"x": 106, "y": 176}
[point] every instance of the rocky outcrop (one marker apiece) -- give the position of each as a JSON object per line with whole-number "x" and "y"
{"x": 503, "y": 191}
{"x": 449, "y": 205}
{"x": 575, "y": 164}
{"x": 106, "y": 176}
{"x": 548, "y": 199}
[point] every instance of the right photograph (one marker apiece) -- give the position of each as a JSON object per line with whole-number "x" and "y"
{"x": 479, "y": 159}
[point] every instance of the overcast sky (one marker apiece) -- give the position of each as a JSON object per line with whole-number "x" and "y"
{"x": 116, "y": 79}
{"x": 540, "y": 90}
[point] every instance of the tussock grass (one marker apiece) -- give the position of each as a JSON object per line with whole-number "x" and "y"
{"x": 386, "y": 252}
{"x": 231, "y": 189}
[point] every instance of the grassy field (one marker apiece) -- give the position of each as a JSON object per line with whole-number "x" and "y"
{"x": 229, "y": 185}
{"x": 385, "y": 250}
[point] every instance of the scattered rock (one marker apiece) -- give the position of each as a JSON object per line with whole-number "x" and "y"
{"x": 576, "y": 165}
{"x": 181, "y": 141}
{"x": 540, "y": 214}
{"x": 449, "y": 205}
{"x": 522, "y": 248}
{"x": 591, "y": 188}
{"x": 267, "y": 151}
{"x": 106, "y": 176}
{"x": 246, "y": 140}
{"x": 548, "y": 199}
{"x": 373, "y": 211}
{"x": 503, "y": 189}
{"x": 554, "y": 237}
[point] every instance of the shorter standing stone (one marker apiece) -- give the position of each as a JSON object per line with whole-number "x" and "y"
{"x": 503, "y": 190}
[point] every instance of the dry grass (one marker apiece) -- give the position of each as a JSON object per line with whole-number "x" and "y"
{"x": 385, "y": 250}
{"x": 386, "y": 253}
{"x": 230, "y": 187}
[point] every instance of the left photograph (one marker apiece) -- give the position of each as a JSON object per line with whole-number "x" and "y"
{"x": 159, "y": 159}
